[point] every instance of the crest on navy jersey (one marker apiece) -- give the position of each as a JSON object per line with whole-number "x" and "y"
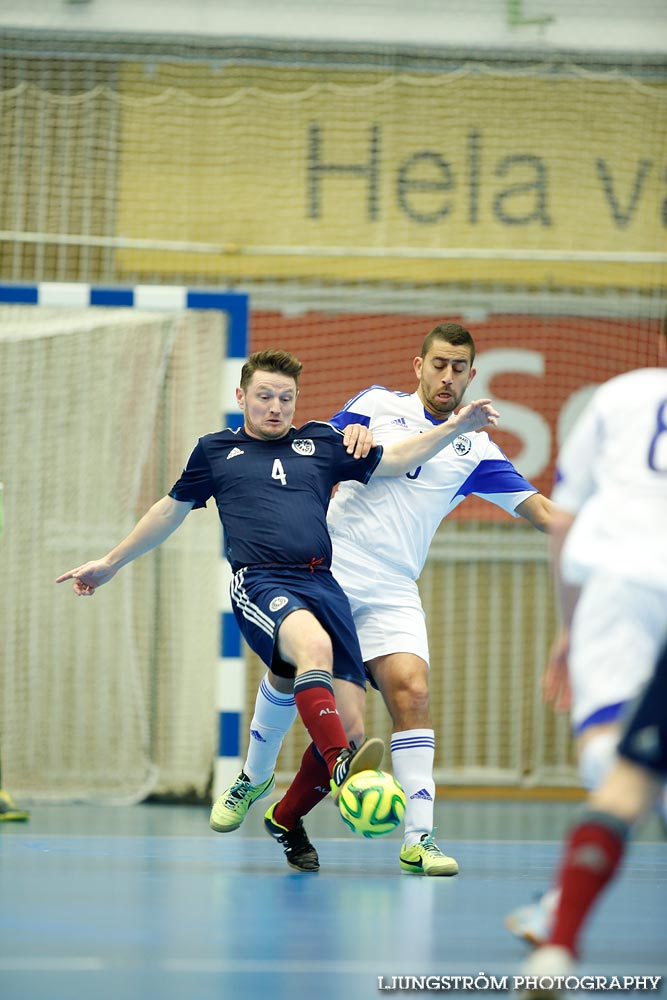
{"x": 303, "y": 446}
{"x": 462, "y": 444}
{"x": 277, "y": 603}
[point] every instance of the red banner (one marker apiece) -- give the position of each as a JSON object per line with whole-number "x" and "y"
{"x": 539, "y": 370}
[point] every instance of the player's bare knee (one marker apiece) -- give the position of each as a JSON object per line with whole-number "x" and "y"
{"x": 414, "y": 696}
{"x": 304, "y": 643}
{"x": 403, "y": 682}
{"x": 409, "y": 707}
{"x": 628, "y": 791}
{"x": 319, "y": 654}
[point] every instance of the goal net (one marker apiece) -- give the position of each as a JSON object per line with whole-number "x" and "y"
{"x": 110, "y": 698}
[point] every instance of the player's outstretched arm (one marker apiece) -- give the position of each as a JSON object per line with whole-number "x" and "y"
{"x": 154, "y": 527}
{"x": 402, "y": 456}
{"x": 538, "y": 510}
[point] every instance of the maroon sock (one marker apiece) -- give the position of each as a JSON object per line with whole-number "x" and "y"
{"x": 592, "y": 854}
{"x": 309, "y": 786}
{"x": 315, "y": 702}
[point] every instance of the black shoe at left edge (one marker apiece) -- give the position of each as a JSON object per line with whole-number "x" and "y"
{"x": 300, "y": 853}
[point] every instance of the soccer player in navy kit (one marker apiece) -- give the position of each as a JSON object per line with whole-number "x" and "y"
{"x": 272, "y": 484}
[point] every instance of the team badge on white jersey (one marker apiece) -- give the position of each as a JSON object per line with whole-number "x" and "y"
{"x": 277, "y": 603}
{"x": 304, "y": 446}
{"x": 462, "y": 444}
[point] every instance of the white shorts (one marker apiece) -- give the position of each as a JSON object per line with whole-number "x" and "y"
{"x": 386, "y": 605}
{"x": 618, "y": 630}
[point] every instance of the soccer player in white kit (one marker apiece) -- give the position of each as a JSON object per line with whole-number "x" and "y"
{"x": 609, "y": 542}
{"x": 381, "y": 534}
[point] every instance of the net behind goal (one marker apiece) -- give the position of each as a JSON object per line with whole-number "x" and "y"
{"x": 105, "y": 698}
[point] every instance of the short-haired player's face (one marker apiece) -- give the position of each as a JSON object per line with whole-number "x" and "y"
{"x": 268, "y": 405}
{"x": 444, "y": 375}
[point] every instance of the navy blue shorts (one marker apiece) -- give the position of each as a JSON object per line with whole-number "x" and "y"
{"x": 644, "y": 739}
{"x": 262, "y": 597}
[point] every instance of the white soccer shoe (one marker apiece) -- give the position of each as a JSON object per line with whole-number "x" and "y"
{"x": 533, "y": 922}
{"x": 542, "y": 971}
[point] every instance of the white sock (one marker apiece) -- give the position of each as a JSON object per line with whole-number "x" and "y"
{"x": 274, "y": 714}
{"x": 412, "y": 753}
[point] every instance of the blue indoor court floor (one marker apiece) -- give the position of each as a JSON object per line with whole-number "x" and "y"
{"x": 146, "y": 903}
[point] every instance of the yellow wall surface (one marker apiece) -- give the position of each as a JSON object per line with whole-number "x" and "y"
{"x": 369, "y": 166}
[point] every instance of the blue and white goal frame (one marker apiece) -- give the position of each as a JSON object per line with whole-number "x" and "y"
{"x": 230, "y": 679}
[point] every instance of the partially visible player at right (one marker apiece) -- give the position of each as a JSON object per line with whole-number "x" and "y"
{"x": 609, "y": 548}
{"x": 611, "y": 529}
{"x": 628, "y": 793}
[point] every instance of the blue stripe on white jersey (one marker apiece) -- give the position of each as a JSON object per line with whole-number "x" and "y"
{"x": 346, "y": 415}
{"x": 494, "y": 476}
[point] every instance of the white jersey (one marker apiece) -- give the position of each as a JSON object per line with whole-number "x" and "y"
{"x": 612, "y": 474}
{"x": 395, "y": 518}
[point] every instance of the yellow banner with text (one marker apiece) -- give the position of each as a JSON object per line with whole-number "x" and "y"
{"x": 469, "y": 176}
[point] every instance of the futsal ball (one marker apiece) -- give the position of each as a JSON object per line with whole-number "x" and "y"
{"x": 372, "y": 803}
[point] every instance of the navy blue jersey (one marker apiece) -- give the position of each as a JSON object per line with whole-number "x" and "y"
{"x": 272, "y": 496}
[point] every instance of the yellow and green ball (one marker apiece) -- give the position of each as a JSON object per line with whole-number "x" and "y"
{"x": 372, "y": 803}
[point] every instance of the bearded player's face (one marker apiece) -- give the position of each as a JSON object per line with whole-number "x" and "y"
{"x": 444, "y": 375}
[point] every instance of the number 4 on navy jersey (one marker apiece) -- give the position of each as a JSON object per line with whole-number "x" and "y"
{"x": 278, "y": 472}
